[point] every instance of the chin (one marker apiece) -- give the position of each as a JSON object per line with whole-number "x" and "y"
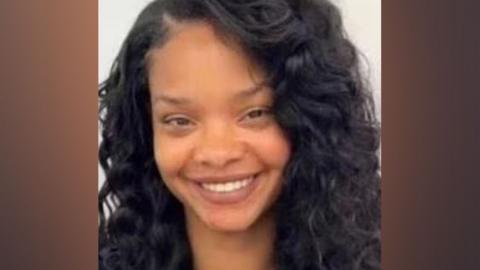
{"x": 228, "y": 223}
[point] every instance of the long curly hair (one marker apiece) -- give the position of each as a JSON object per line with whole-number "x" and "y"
{"x": 328, "y": 213}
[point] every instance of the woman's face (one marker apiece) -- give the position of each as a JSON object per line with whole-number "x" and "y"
{"x": 217, "y": 146}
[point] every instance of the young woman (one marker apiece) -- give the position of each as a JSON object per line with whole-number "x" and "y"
{"x": 238, "y": 135}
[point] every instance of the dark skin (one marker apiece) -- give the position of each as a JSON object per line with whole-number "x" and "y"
{"x": 213, "y": 130}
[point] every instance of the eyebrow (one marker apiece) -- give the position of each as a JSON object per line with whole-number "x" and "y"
{"x": 170, "y": 99}
{"x": 242, "y": 94}
{"x": 252, "y": 91}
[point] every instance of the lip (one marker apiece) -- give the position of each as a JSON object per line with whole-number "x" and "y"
{"x": 233, "y": 197}
{"x": 221, "y": 179}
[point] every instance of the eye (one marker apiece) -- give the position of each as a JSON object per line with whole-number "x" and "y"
{"x": 178, "y": 122}
{"x": 257, "y": 114}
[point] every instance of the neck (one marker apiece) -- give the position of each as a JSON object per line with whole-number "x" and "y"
{"x": 251, "y": 249}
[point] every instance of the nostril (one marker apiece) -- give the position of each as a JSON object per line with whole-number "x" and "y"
{"x": 219, "y": 155}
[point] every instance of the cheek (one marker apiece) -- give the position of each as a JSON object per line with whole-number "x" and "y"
{"x": 273, "y": 148}
{"x": 170, "y": 155}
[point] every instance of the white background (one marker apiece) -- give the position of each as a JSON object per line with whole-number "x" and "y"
{"x": 362, "y": 19}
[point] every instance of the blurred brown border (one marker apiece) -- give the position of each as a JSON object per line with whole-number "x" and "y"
{"x": 48, "y": 116}
{"x": 430, "y": 55}
{"x": 48, "y": 146}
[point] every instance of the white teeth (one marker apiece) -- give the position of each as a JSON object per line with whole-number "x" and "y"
{"x": 227, "y": 186}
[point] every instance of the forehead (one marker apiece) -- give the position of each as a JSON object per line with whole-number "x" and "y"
{"x": 196, "y": 58}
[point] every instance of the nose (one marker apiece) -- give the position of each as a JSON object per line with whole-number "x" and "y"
{"x": 218, "y": 146}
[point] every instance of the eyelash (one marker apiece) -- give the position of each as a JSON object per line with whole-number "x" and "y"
{"x": 182, "y": 122}
{"x": 253, "y": 114}
{"x": 174, "y": 121}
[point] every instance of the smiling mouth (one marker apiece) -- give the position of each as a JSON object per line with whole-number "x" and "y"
{"x": 230, "y": 186}
{"x": 227, "y": 190}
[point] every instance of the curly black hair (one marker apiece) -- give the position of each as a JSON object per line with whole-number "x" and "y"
{"x": 328, "y": 213}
